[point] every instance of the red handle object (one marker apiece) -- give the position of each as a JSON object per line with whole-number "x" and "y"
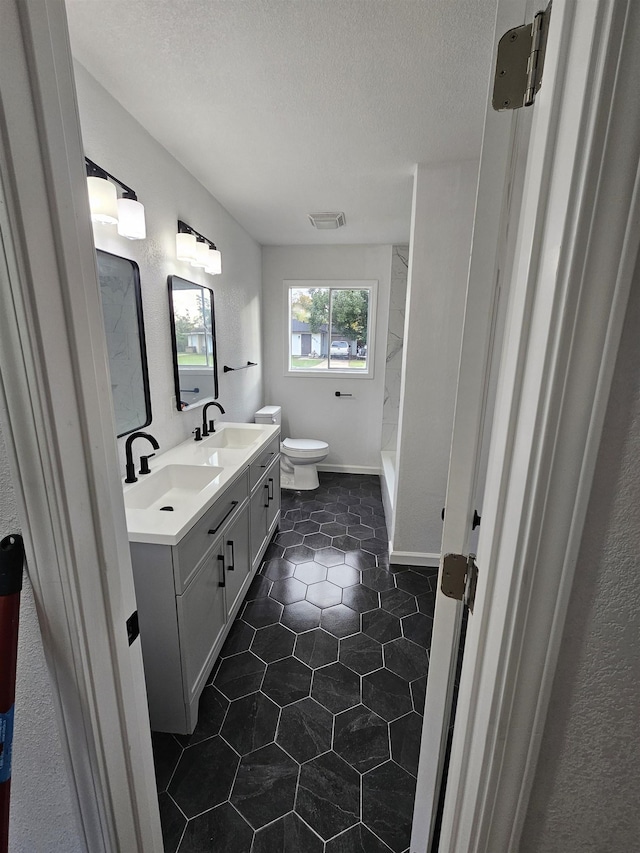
{"x": 11, "y": 563}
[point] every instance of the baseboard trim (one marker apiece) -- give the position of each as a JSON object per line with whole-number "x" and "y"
{"x": 413, "y": 558}
{"x": 350, "y": 469}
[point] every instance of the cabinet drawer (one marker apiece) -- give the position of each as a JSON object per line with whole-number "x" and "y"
{"x": 188, "y": 554}
{"x": 257, "y": 469}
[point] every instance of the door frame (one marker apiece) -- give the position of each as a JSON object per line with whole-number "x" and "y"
{"x": 576, "y": 253}
{"x": 58, "y": 425}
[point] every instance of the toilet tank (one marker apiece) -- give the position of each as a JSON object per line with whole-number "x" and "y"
{"x": 269, "y": 415}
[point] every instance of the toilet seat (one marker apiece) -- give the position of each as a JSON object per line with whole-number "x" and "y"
{"x": 303, "y": 448}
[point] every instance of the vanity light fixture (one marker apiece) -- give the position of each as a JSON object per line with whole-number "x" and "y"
{"x": 196, "y": 249}
{"x": 106, "y": 208}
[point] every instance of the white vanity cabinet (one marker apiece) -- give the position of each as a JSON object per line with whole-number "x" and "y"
{"x": 264, "y": 479}
{"x": 187, "y": 596}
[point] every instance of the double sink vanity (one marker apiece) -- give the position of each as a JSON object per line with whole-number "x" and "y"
{"x": 198, "y": 525}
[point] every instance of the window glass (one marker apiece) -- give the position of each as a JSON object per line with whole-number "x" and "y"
{"x": 329, "y": 329}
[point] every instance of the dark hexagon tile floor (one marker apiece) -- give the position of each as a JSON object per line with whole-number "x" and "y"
{"x": 309, "y": 728}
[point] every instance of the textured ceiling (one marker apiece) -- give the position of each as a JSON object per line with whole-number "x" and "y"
{"x": 285, "y": 107}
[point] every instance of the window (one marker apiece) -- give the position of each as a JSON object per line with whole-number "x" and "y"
{"x": 330, "y": 327}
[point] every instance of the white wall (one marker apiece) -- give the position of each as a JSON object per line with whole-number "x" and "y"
{"x": 442, "y": 221}
{"x": 42, "y": 816}
{"x": 114, "y": 139}
{"x": 395, "y": 344}
{"x": 351, "y": 426}
{"x": 587, "y": 785}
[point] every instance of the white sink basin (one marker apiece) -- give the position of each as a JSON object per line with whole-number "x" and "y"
{"x": 171, "y": 486}
{"x": 221, "y": 457}
{"x": 234, "y": 437}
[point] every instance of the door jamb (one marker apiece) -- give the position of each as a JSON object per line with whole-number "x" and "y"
{"x": 578, "y": 245}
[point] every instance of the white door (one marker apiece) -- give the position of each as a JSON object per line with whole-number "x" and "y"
{"x": 563, "y": 325}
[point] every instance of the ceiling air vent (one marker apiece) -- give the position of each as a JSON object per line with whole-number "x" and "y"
{"x": 327, "y": 220}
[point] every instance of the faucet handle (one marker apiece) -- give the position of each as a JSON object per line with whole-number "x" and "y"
{"x": 212, "y": 425}
{"x": 144, "y": 463}
{"x": 198, "y": 434}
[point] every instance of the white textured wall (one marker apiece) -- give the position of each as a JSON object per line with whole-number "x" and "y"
{"x": 395, "y": 343}
{"x": 41, "y": 817}
{"x": 310, "y": 409}
{"x": 442, "y": 221}
{"x": 115, "y": 140}
{"x": 587, "y": 786}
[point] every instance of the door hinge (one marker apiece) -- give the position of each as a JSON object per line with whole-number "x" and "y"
{"x": 520, "y": 62}
{"x": 460, "y": 578}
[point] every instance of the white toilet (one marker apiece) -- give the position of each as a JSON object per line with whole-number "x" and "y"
{"x": 298, "y": 456}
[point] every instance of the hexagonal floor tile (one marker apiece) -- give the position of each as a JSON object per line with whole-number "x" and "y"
{"x": 347, "y": 518}
{"x": 358, "y": 839}
{"x": 387, "y": 694}
{"x": 301, "y": 616}
{"x": 286, "y": 681}
{"x": 305, "y": 729}
{"x": 277, "y": 569}
{"x": 204, "y": 776}
{"x": 273, "y": 643}
{"x": 239, "y": 675}
{"x": 427, "y": 603}
{"x": 260, "y": 586}
{"x": 340, "y": 620}
{"x": 360, "y": 598}
{"x": 323, "y": 517}
{"x": 317, "y": 541}
{"x": 333, "y": 528}
{"x": 265, "y": 786}
{"x": 211, "y": 713}
{"x": 250, "y": 723}
{"x": 398, "y": 602}
{"x": 328, "y": 795}
{"x": 290, "y": 537}
{"x": 336, "y": 507}
{"x": 344, "y": 576}
{"x": 329, "y": 556}
{"x": 261, "y": 612}
{"x": 418, "y": 694}
{"x": 288, "y": 590}
{"x": 387, "y": 804}
{"x": 324, "y": 594}
{"x": 316, "y": 648}
{"x": 414, "y": 583}
{"x": 378, "y": 579}
{"x": 406, "y": 734}
{"x": 361, "y": 738}
{"x": 311, "y": 572}
{"x": 172, "y": 822}
{"x": 360, "y": 531}
{"x": 380, "y": 625}
{"x": 361, "y": 653}
{"x": 418, "y": 628}
{"x": 336, "y": 687}
{"x": 306, "y": 526}
{"x": 166, "y": 754}
{"x": 238, "y": 639}
{"x": 361, "y": 560}
{"x": 346, "y": 543}
{"x": 375, "y": 546}
{"x": 406, "y": 659}
{"x": 299, "y": 554}
{"x": 221, "y": 828}
{"x": 288, "y": 833}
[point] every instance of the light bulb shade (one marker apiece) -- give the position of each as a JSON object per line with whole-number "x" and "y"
{"x": 214, "y": 262}
{"x": 202, "y": 254}
{"x": 185, "y": 247}
{"x": 103, "y": 201}
{"x": 131, "y": 222}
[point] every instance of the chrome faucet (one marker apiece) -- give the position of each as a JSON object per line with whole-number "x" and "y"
{"x": 130, "y": 467}
{"x": 211, "y": 426}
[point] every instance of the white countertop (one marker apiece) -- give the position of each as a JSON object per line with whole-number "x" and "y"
{"x": 155, "y": 526}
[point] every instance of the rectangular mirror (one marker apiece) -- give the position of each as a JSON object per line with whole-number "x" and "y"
{"x": 193, "y": 337}
{"x": 124, "y": 328}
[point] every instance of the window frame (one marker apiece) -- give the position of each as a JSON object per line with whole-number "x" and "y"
{"x": 370, "y": 285}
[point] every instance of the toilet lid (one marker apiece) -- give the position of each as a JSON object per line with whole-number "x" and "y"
{"x": 304, "y": 444}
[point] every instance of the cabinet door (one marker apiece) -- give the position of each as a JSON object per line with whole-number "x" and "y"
{"x": 237, "y": 564}
{"x": 273, "y": 510}
{"x": 201, "y": 619}
{"x": 259, "y": 509}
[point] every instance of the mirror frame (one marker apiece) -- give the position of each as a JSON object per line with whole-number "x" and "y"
{"x": 144, "y": 364}
{"x": 174, "y": 346}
